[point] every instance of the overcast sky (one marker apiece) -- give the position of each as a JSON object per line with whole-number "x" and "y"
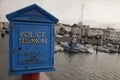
{"x": 96, "y": 12}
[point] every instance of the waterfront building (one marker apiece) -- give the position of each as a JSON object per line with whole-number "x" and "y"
{"x": 67, "y": 27}
{"x": 4, "y": 25}
{"x": 63, "y": 29}
{"x": 59, "y": 29}
{"x": 106, "y": 35}
{"x": 84, "y": 29}
{"x": 95, "y": 32}
{"x": 58, "y": 26}
{"x": 118, "y": 35}
{"x": 112, "y": 33}
{"x": 74, "y": 30}
{"x": 0, "y": 26}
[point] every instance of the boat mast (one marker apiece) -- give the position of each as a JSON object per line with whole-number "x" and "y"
{"x": 82, "y": 13}
{"x": 81, "y": 22}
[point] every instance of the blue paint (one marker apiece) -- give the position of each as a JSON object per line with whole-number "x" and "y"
{"x": 32, "y": 13}
{"x": 31, "y": 40}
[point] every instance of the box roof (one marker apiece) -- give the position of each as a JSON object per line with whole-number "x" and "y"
{"x": 32, "y": 13}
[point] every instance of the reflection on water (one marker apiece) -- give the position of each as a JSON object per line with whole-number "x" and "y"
{"x": 101, "y": 66}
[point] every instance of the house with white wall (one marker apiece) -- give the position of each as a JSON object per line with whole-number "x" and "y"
{"x": 117, "y": 35}
{"x": 83, "y": 29}
{"x": 96, "y": 32}
{"x": 57, "y": 27}
{"x": 66, "y": 29}
{"x": 112, "y": 33}
{"x": 74, "y": 30}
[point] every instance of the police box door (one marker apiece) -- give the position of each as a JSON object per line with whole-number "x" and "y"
{"x": 33, "y": 43}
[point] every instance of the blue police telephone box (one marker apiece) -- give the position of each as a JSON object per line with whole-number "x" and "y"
{"x": 31, "y": 40}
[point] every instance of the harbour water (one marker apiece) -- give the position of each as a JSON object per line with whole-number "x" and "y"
{"x": 72, "y": 66}
{"x": 81, "y": 66}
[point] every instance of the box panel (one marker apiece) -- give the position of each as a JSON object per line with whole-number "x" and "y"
{"x": 32, "y": 46}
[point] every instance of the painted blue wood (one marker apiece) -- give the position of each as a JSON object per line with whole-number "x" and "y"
{"x": 32, "y": 13}
{"x": 31, "y": 41}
